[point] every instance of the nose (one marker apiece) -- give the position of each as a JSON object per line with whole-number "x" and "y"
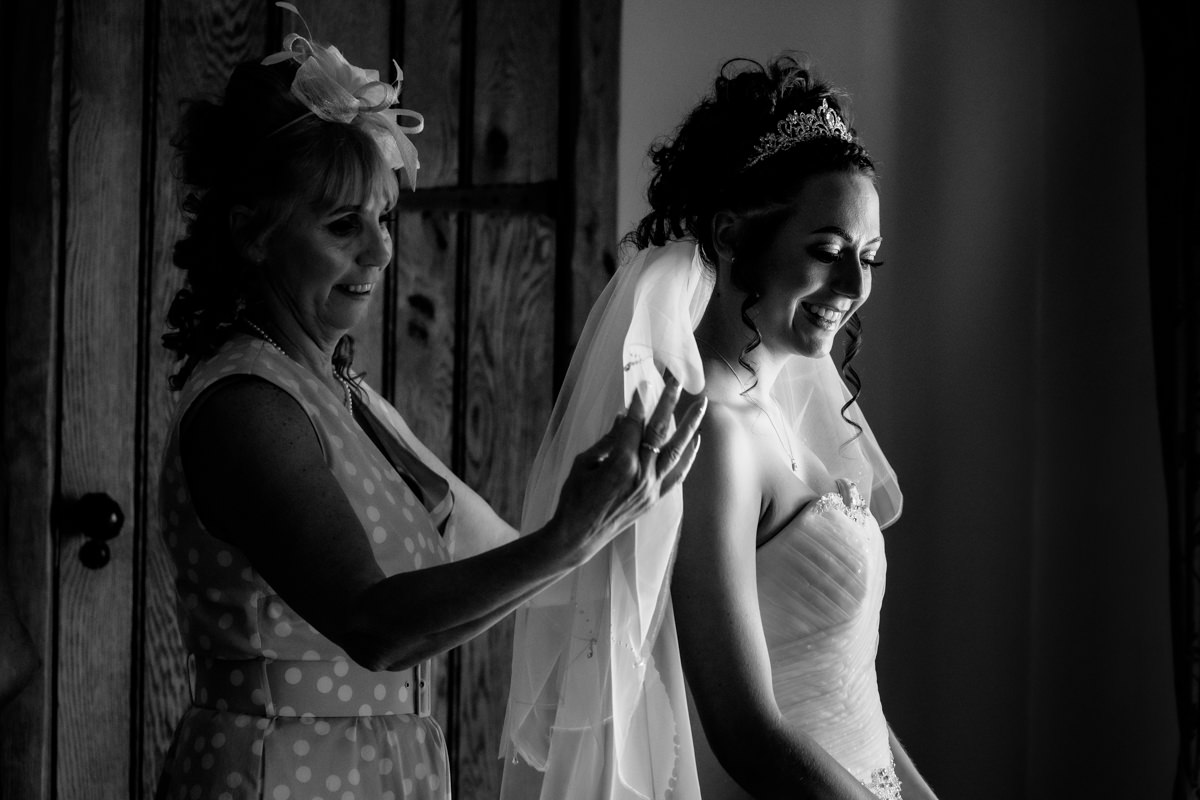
{"x": 377, "y": 247}
{"x": 849, "y": 279}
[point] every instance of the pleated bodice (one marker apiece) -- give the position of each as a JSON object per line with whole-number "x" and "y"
{"x": 820, "y": 588}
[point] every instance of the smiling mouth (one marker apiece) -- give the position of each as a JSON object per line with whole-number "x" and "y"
{"x": 356, "y": 289}
{"x": 825, "y": 317}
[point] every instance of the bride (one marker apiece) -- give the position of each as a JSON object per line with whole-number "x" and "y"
{"x": 727, "y": 648}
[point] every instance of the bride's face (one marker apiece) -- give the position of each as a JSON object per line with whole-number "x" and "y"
{"x": 817, "y": 271}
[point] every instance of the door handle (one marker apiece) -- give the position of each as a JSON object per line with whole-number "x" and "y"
{"x": 99, "y": 518}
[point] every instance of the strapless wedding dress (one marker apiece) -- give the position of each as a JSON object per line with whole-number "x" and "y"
{"x": 820, "y": 588}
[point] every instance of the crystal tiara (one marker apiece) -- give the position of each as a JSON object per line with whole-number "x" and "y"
{"x": 801, "y": 126}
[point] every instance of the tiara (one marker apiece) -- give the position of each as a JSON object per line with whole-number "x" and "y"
{"x": 335, "y": 90}
{"x": 801, "y": 126}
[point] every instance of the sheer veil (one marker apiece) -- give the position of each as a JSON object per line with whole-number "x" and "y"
{"x": 597, "y": 707}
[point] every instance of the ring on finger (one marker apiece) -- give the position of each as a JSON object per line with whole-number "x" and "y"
{"x": 651, "y": 447}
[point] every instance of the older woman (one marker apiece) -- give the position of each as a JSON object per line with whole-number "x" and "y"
{"x": 323, "y": 553}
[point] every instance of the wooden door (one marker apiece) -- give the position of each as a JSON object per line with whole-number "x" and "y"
{"x": 498, "y": 257}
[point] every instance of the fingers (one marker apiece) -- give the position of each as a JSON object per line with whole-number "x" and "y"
{"x": 658, "y": 427}
{"x": 647, "y": 447}
{"x": 682, "y": 467}
{"x": 628, "y": 428}
{"x": 673, "y": 450}
{"x": 637, "y": 408}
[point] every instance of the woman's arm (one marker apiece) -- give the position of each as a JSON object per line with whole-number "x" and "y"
{"x": 912, "y": 785}
{"x": 259, "y": 481}
{"x": 724, "y": 652}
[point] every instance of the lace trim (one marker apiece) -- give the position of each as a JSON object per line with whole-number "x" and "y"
{"x": 884, "y": 783}
{"x": 858, "y": 511}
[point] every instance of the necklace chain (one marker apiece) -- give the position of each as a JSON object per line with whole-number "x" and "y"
{"x": 786, "y": 444}
{"x": 341, "y": 378}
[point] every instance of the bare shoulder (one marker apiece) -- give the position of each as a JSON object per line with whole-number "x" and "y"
{"x": 244, "y": 442}
{"x": 241, "y": 407}
{"x": 723, "y": 491}
{"x": 723, "y": 422}
{"x": 253, "y": 418}
{"x": 728, "y": 451}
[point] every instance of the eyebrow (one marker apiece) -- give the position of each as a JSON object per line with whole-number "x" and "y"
{"x": 357, "y": 209}
{"x": 836, "y": 231}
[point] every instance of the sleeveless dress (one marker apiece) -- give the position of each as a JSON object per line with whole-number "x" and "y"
{"x": 820, "y": 589}
{"x": 278, "y": 710}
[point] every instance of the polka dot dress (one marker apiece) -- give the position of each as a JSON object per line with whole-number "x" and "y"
{"x": 279, "y": 711}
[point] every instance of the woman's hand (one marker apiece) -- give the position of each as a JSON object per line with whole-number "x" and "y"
{"x": 619, "y": 478}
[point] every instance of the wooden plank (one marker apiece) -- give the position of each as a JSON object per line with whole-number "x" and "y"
{"x": 509, "y": 300}
{"x": 99, "y": 376}
{"x": 516, "y": 78}
{"x": 509, "y": 393}
{"x": 432, "y": 82}
{"x": 230, "y": 36}
{"x": 424, "y": 285}
{"x": 593, "y": 259}
{"x": 424, "y": 355}
{"x": 425, "y": 256}
{"x": 520, "y": 198}
{"x": 360, "y": 29}
{"x": 31, "y": 124}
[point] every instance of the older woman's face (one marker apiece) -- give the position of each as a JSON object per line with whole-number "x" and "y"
{"x": 817, "y": 270}
{"x": 326, "y": 263}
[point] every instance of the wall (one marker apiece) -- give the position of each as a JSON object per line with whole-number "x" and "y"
{"x": 1007, "y": 366}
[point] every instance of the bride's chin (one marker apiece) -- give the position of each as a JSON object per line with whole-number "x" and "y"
{"x": 813, "y": 346}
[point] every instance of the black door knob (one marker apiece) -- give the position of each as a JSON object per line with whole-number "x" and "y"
{"x": 98, "y": 517}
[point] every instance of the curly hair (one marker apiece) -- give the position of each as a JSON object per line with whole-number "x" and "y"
{"x": 701, "y": 171}
{"x": 259, "y": 149}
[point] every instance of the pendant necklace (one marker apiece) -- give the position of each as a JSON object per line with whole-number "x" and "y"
{"x": 341, "y": 378}
{"x": 786, "y": 444}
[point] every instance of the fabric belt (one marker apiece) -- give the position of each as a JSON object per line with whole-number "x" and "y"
{"x": 270, "y": 688}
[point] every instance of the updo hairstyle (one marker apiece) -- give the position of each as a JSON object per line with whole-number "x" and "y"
{"x": 701, "y": 171}
{"x": 260, "y": 148}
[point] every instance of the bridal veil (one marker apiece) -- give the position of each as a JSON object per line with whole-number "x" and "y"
{"x": 597, "y": 707}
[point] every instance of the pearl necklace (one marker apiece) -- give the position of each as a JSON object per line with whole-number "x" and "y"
{"x": 341, "y": 378}
{"x": 786, "y": 444}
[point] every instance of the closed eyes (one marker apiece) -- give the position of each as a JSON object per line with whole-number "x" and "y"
{"x": 351, "y": 224}
{"x": 826, "y": 256}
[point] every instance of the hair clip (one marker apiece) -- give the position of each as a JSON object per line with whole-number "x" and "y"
{"x": 333, "y": 89}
